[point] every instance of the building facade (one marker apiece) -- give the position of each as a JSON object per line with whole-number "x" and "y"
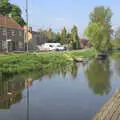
{"x": 11, "y": 35}
{"x": 37, "y": 39}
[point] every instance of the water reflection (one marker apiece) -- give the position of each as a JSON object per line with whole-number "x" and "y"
{"x": 117, "y": 65}
{"x": 74, "y": 70}
{"x": 11, "y": 87}
{"x": 11, "y": 91}
{"x": 62, "y": 92}
{"x": 98, "y": 74}
{"x": 9, "y": 94}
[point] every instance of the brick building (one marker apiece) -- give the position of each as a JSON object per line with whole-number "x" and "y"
{"x": 12, "y": 36}
{"x": 12, "y": 32}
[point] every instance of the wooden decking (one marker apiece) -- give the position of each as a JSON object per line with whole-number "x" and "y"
{"x": 111, "y": 110}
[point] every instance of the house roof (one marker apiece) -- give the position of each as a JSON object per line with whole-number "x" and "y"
{"x": 8, "y": 22}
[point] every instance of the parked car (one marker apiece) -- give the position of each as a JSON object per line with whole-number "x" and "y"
{"x": 51, "y": 47}
{"x": 59, "y": 47}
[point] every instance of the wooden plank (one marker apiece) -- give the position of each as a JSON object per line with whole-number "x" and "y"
{"x": 110, "y": 110}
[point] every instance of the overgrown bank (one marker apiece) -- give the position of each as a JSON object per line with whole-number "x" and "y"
{"x": 21, "y": 63}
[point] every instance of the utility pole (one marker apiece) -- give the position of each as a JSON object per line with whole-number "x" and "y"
{"x": 6, "y": 34}
{"x": 27, "y": 24}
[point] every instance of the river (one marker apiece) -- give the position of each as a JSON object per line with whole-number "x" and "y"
{"x": 74, "y": 93}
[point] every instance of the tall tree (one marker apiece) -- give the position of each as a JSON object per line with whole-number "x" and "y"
{"x": 16, "y": 15}
{"x": 5, "y": 7}
{"x": 58, "y": 37}
{"x": 74, "y": 37}
{"x": 99, "y": 29}
{"x": 64, "y": 36}
{"x": 50, "y": 35}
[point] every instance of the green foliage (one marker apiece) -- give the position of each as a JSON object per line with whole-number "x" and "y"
{"x": 99, "y": 29}
{"x": 70, "y": 39}
{"x": 6, "y": 8}
{"x": 58, "y": 37}
{"x": 74, "y": 38}
{"x": 21, "y": 63}
{"x": 50, "y": 35}
{"x": 16, "y": 15}
{"x": 64, "y": 36}
{"x": 116, "y": 40}
{"x": 101, "y": 15}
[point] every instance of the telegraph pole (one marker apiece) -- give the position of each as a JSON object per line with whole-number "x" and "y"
{"x": 27, "y": 24}
{"x": 27, "y": 49}
{"x": 6, "y": 34}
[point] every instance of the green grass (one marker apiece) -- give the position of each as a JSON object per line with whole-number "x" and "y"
{"x": 27, "y": 62}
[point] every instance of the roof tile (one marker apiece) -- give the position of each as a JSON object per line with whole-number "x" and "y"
{"x": 5, "y": 21}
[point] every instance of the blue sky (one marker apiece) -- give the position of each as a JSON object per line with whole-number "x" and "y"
{"x": 58, "y": 13}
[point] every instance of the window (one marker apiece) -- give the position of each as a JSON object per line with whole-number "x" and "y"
{"x": 13, "y": 32}
{"x": 4, "y": 45}
{"x": 50, "y": 46}
{"x": 4, "y": 32}
{"x": 20, "y": 44}
{"x": 20, "y": 33}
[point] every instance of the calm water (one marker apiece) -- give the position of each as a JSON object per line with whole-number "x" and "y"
{"x": 75, "y": 93}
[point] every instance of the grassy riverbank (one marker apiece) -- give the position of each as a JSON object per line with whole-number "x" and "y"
{"x": 25, "y": 62}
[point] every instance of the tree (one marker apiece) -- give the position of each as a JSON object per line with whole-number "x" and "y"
{"x": 117, "y": 38}
{"x": 58, "y": 37}
{"x": 5, "y": 7}
{"x": 64, "y": 36}
{"x": 74, "y": 37}
{"x": 16, "y": 15}
{"x": 51, "y": 36}
{"x": 99, "y": 29}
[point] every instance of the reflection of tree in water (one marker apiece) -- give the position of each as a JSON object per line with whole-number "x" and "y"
{"x": 74, "y": 70}
{"x": 11, "y": 90}
{"x": 11, "y": 87}
{"x": 98, "y": 74}
{"x": 117, "y": 64}
{"x": 10, "y": 93}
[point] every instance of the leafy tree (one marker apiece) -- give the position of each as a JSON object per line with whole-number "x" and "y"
{"x": 117, "y": 33}
{"x": 5, "y": 7}
{"x": 101, "y": 15}
{"x": 74, "y": 37}
{"x": 51, "y": 36}
{"x": 16, "y": 15}
{"x": 64, "y": 36}
{"x": 117, "y": 38}
{"x": 58, "y": 37}
{"x": 99, "y": 29}
{"x": 69, "y": 40}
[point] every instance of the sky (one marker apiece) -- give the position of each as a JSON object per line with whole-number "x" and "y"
{"x": 56, "y": 14}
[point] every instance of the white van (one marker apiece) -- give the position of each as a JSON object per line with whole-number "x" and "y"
{"x": 51, "y": 47}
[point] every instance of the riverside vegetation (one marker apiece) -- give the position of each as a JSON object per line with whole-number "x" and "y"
{"x": 26, "y": 62}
